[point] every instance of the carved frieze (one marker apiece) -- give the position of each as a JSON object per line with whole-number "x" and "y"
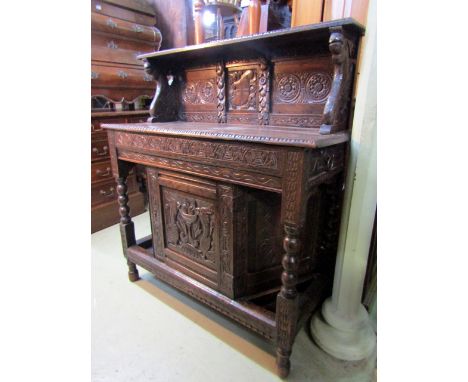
{"x": 199, "y": 117}
{"x": 297, "y": 120}
{"x": 301, "y": 88}
{"x": 223, "y": 152}
{"x": 189, "y": 225}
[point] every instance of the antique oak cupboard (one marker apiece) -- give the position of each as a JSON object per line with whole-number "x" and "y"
{"x": 245, "y": 152}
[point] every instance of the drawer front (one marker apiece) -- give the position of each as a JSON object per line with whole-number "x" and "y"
{"x": 99, "y": 149}
{"x": 122, "y": 28}
{"x": 121, "y": 13}
{"x": 115, "y": 77}
{"x": 106, "y": 191}
{"x": 101, "y": 171}
{"x": 113, "y": 49}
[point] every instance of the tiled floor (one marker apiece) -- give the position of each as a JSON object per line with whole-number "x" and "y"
{"x": 148, "y": 331}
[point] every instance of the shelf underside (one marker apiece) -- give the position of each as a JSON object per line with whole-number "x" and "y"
{"x": 256, "y": 312}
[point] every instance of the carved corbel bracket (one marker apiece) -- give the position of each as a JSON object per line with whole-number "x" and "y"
{"x": 165, "y": 105}
{"x": 336, "y": 109}
{"x": 221, "y": 92}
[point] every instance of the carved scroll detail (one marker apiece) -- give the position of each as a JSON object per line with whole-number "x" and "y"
{"x": 336, "y": 108}
{"x": 165, "y": 105}
{"x": 221, "y": 92}
{"x": 264, "y": 93}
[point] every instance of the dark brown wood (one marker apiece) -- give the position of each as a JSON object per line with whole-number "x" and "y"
{"x": 245, "y": 186}
{"x": 121, "y": 30}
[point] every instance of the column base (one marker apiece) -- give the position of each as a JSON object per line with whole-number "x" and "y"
{"x": 349, "y": 340}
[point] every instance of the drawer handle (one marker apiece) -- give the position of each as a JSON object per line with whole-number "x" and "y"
{"x": 112, "y": 45}
{"x": 94, "y": 75}
{"x": 107, "y": 193}
{"x": 137, "y": 28}
{"x": 102, "y": 153}
{"x": 111, "y": 23}
{"x": 99, "y": 172}
{"x": 122, "y": 74}
{"x": 148, "y": 78}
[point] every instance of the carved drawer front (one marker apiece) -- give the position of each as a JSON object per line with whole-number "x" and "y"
{"x": 118, "y": 50}
{"x": 99, "y": 149}
{"x": 101, "y": 171}
{"x": 118, "y": 27}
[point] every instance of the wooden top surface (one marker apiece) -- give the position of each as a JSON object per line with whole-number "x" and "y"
{"x": 271, "y": 135}
{"x": 263, "y": 43}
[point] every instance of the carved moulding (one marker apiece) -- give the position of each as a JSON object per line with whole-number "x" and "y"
{"x": 336, "y": 108}
{"x": 266, "y": 182}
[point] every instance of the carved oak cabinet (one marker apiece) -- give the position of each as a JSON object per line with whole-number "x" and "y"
{"x": 245, "y": 152}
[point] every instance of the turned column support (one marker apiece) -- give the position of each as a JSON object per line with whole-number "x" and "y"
{"x": 287, "y": 302}
{"x": 127, "y": 228}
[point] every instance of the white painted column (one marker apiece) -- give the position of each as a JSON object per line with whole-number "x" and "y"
{"x": 342, "y": 328}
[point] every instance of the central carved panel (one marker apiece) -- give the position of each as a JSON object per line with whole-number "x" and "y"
{"x": 189, "y": 225}
{"x": 243, "y": 90}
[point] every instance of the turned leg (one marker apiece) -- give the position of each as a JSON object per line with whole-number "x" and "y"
{"x": 287, "y": 301}
{"x": 127, "y": 228}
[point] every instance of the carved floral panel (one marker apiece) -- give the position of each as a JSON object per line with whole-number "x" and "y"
{"x": 200, "y": 92}
{"x": 301, "y": 88}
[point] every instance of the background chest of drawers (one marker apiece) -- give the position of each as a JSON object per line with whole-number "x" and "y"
{"x": 120, "y": 93}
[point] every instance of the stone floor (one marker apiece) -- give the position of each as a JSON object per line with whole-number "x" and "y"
{"x": 148, "y": 331}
